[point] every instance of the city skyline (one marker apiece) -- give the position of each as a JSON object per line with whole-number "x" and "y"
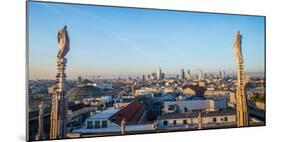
{"x": 113, "y": 41}
{"x": 122, "y": 71}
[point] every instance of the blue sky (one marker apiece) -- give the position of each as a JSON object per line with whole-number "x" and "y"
{"x": 112, "y": 41}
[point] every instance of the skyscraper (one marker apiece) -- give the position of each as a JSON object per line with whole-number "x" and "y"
{"x": 205, "y": 75}
{"x": 143, "y": 77}
{"x": 159, "y": 74}
{"x": 153, "y": 76}
{"x": 200, "y": 75}
{"x": 79, "y": 79}
{"x": 189, "y": 74}
{"x": 241, "y": 98}
{"x": 177, "y": 77}
{"x": 223, "y": 74}
{"x": 182, "y": 74}
{"x": 220, "y": 75}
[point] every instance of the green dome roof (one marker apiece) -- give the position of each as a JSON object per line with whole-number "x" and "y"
{"x": 82, "y": 92}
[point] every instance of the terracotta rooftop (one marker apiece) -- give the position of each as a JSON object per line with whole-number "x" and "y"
{"x": 199, "y": 90}
{"x": 132, "y": 113}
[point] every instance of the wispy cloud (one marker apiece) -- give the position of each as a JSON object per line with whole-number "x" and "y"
{"x": 50, "y": 8}
{"x": 127, "y": 41}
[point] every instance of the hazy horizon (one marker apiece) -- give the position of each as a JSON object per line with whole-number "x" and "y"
{"x": 114, "y": 41}
{"x": 134, "y": 76}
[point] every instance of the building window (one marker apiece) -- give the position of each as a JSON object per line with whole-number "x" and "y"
{"x": 171, "y": 107}
{"x": 175, "y": 122}
{"x": 185, "y": 109}
{"x": 214, "y": 119}
{"x": 225, "y": 118}
{"x": 97, "y": 124}
{"x": 89, "y": 124}
{"x": 184, "y": 122}
{"x": 104, "y": 124}
{"x": 165, "y": 123}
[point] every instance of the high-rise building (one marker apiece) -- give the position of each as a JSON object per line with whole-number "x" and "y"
{"x": 182, "y": 74}
{"x": 220, "y": 74}
{"x": 143, "y": 77}
{"x": 159, "y": 74}
{"x": 200, "y": 75}
{"x": 162, "y": 75}
{"x": 223, "y": 74}
{"x": 205, "y": 75}
{"x": 189, "y": 74}
{"x": 79, "y": 79}
{"x": 153, "y": 76}
{"x": 241, "y": 98}
{"x": 212, "y": 76}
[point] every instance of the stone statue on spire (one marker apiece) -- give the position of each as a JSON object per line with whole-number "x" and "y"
{"x": 237, "y": 47}
{"x": 241, "y": 97}
{"x": 59, "y": 101}
{"x": 63, "y": 41}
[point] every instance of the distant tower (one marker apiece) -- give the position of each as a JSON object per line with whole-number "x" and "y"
{"x": 223, "y": 74}
{"x": 182, "y": 74}
{"x": 40, "y": 132}
{"x": 159, "y": 74}
{"x": 212, "y": 76}
{"x": 59, "y": 100}
{"x": 143, "y": 78}
{"x": 162, "y": 75}
{"x": 241, "y": 104}
{"x": 200, "y": 75}
{"x": 189, "y": 74}
{"x": 205, "y": 75}
{"x": 220, "y": 75}
{"x": 79, "y": 79}
{"x": 153, "y": 76}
